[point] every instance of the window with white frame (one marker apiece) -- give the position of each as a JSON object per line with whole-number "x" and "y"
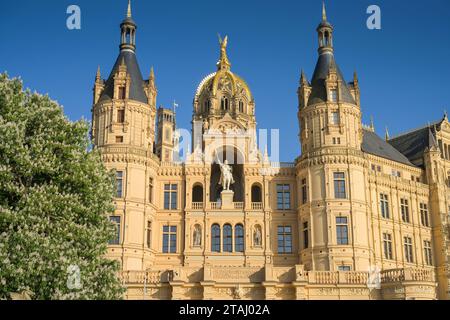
{"x": 169, "y": 239}
{"x": 428, "y": 252}
{"x": 387, "y": 246}
{"x": 424, "y": 217}
{"x": 408, "y": 248}
{"x": 342, "y": 230}
{"x": 404, "y": 209}
{"x": 384, "y": 205}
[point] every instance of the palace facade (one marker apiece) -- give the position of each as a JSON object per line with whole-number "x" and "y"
{"x": 355, "y": 216}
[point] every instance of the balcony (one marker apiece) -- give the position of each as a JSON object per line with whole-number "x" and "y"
{"x": 257, "y": 206}
{"x": 197, "y": 205}
{"x": 218, "y": 205}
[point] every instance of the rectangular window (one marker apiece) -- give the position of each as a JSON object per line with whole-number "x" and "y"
{"x": 149, "y": 234}
{"x": 424, "y": 217}
{"x": 342, "y": 230}
{"x": 404, "y": 209}
{"x": 119, "y": 139}
{"x": 169, "y": 239}
{"x": 333, "y": 95}
{"x": 150, "y": 189}
{"x": 116, "y": 221}
{"x": 170, "y": 196}
{"x": 408, "y": 247}
{"x": 428, "y": 253}
{"x": 344, "y": 268}
{"x": 120, "y": 116}
{"x": 305, "y": 235}
{"x": 384, "y": 205}
{"x": 122, "y": 93}
{"x": 304, "y": 191}
{"x": 283, "y": 197}
{"x": 335, "y": 118}
{"x": 119, "y": 184}
{"x": 339, "y": 185}
{"x": 396, "y": 173}
{"x": 284, "y": 239}
{"x": 387, "y": 246}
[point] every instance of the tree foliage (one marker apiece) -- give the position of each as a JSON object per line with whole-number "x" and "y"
{"x": 55, "y": 197}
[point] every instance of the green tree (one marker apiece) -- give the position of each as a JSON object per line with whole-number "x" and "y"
{"x": 55, "y": 197}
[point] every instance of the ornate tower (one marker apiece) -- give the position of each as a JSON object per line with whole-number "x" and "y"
{"x": 124, "y": 105}
{"x": 329, "y": 111}
{"x": 166, "y": 131}
{"x": 123, "y": 130}
{"x": 331, "y": 165}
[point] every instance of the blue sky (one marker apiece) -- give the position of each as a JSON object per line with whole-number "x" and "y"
{"x": 403, "y": 68}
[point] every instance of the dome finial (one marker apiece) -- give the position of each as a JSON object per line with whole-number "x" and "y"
{"x": 129, "y": 9}
{"x": 324, "y": 12}
{"x": 223, "y": 63}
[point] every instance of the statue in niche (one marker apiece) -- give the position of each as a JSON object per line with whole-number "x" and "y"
{"x": 226, "y": 177}
{"x": 197, "y": 236}
{"x": 257, "y": 236}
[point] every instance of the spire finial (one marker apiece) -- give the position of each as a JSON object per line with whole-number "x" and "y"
{"x": 98, "y": 75}
{"x": 372, "y": 126}
{"x": 324, "y": 12}
{"x": 386, "y": 135}
{"x": 223, "y": 63}
{"x": 129, "y": 9}
{"x": 152, "y": 73}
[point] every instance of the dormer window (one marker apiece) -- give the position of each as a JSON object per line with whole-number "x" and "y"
{"x": 333, "y": 95}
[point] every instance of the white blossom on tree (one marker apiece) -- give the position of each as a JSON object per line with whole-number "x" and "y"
{"x": 55, "y": 198}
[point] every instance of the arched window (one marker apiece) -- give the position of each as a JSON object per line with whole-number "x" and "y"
{"x": 241, "y": 106}
{"x": 227, "y": 238}
{"x": 239, "y": 238}
{"x": 197, "y": 193}
{"x": 256, "y": 193}
{"x": 224, "y": 103}
{"x": 215, "y": 238}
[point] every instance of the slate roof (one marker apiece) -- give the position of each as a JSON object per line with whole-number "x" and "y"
{"x": 137, "y": 83}
{"x": 375, "y": 145}
{"x": 414, "y": 143}
{"x": 318, "y": 92}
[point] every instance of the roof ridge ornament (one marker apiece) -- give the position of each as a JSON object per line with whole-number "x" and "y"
{"x": 224, "y": 63}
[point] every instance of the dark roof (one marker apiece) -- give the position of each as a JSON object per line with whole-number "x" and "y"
{"x": 137, "y": 83}
{"x": 373, "y": 144}
{"x": 319, "y": 93}
{"x": 413, "y": 144}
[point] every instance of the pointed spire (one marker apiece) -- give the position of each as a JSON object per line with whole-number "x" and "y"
{"x": 324, "y": 12}
{"x": 445, "y": 115}
{"x": 129, "y": 9}
{"x": 266, "y": 154}
{"x": 386, "y": 134}
{"x": 303, "y": 79}
{"x": 372, "y": 126}
{"x": 98, "y": 75}
{"x": 355, "y": 78}
{"x": 224, "y": 63}
{"x": 152, "y": 74}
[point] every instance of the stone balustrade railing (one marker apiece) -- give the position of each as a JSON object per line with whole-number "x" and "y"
{"x": 140, "y": 277}
{"x": 311, "y": 277}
